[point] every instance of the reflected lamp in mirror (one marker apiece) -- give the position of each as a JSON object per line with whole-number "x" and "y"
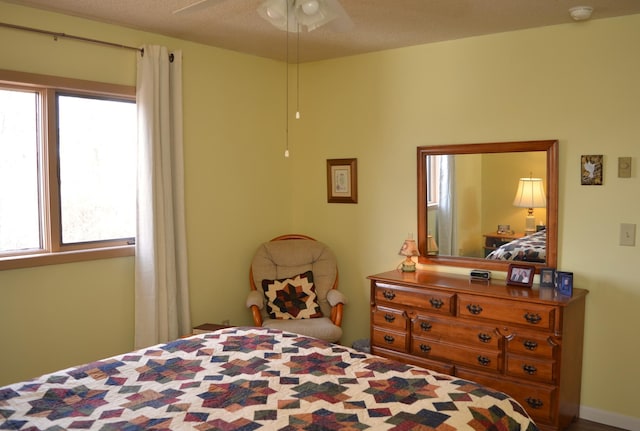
{"x": 530, "y": 195}
{"x": 409, "y": 248}
{"x": 432, "y": 246}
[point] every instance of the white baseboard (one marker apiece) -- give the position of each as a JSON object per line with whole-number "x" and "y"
{"x": 610, "y": 418}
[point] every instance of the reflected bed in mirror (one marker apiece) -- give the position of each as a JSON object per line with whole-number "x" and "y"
{"x": 486, "y": 205}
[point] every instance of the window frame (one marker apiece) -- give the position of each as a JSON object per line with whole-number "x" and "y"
{"x": 432, "y": 168}
{"x": 53, "y": 251}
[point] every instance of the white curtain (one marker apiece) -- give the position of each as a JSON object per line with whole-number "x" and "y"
{"x": 446, "y": 207}
{"x": 161, "y": 282}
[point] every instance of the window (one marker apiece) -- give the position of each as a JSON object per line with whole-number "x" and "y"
{"x": 97, "y": 157}
{"x": 432, "y": 167}
{"x": 67, "y": 170}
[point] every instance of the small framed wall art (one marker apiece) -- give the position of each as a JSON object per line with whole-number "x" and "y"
{"x": 342, "y": 181}
{"x": 591, "y": 170}
{"x": 520, "y": 275}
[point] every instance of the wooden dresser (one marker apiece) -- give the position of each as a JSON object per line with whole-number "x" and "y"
{"x": 524, "y": 342}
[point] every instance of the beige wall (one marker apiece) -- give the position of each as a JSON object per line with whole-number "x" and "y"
{"x": 577, "y": 83}
{"x": 500, "y": 175}
{"x": 468, "y": 205}
{"x": 237, "y": 193}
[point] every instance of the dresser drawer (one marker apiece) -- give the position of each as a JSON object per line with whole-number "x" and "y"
{"x": 390, "y": 339}
{"x": 429, "y": 364}
{"x": 541, "y": 346}
{"x": 490, "y": 360}
{"x": 389, "y": 318}
{"x": 454, "y": 331}
{"x": 537, "y": 400}
{"x": 434, "y": 301}
{"x": 531, "y": 369}
{"x": 507, "y": 312}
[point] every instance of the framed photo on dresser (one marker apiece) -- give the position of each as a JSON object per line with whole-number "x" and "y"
{"x": 520, "y": 275}
{"x": 564, "y": 283}
{"x": 547, "y": 277}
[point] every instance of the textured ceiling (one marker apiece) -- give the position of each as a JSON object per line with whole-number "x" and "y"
{"x": 377, "y": 24}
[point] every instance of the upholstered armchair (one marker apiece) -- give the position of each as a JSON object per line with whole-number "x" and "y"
{"x": 294, "y": 280}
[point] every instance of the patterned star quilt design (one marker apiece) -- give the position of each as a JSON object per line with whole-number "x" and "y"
{"x": 254, "y": 379}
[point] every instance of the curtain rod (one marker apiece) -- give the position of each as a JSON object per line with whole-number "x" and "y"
{"x": 69, "y": 36}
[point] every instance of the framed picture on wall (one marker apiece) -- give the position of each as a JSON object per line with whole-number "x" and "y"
{"x": 342, "y": 181}
{"x": 591, "y": 167}
{"x": 520, "y": 275}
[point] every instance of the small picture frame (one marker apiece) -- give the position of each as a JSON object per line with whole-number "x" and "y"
{"x": 591, "y": 167}
{"x": 520, "y": 275}
{"x": 547, "y": 277}
{"x": 564, "y": 283}
{"x": 342, "y": 181}
{"x": 504, "y": 228}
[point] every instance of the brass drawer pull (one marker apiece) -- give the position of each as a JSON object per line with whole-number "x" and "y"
{"x": 534, "y": 403}
{"x": 483, "y": 360}
{"x": 533, "y": 318}
{"x": 389, "y": 318}
{"x": 425, "y": 348}
{"x": 436, "y": 303}
{"x": 425, "y": 326}
{"x": 389, "y": 294}
{"x": 530, "y": 345}
{"x": 474, "y": 309}
{"x": 529, "y": 369}
{"x": 389, "y": 339}
{"x": 485, "y": 338}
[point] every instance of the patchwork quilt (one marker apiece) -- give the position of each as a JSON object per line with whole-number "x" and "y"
{"x": 531, "y": 248}
{"x": 254, "y": 379}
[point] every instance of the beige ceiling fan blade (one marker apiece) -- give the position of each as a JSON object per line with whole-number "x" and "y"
{"x": 196, "y": 6}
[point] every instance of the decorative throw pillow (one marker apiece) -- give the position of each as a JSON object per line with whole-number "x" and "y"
{"x": 292, "y": 298}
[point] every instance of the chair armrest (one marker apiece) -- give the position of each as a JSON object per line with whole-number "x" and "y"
{"x": 335, "y": 297}
{"x": 255, "y": 298}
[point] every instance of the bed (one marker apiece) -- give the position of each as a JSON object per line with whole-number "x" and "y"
{"x": 254, "y": 379}
{"x": 530, "y": 248}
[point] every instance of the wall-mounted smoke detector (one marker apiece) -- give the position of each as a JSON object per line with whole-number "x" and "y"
{"x": 581, "y": 13}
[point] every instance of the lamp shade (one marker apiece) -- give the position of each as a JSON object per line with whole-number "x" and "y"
{"x": 530, "y": 194}
{"x": 432, "y": 246}
{"x": 313, "y": 13}
{"x": 409, "y": 248}
{"x": 279, "y": 14}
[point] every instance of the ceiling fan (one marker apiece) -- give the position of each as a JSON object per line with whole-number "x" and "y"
{"x": 291, "y": 15}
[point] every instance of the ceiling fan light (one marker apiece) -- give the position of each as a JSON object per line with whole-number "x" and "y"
{"x": 310, "y": 7}
{"x": 275, "y": 12}
{"x": 322, "y": 15}
{"x": 294, "y": 15}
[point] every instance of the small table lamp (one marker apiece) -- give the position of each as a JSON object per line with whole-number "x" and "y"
{"x": 432, "y": 246}
{"x": 409, "y": 248}
{"x": 530, "y": 195}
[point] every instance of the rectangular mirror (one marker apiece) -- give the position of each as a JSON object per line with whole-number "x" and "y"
{"x": 487, "y": 205}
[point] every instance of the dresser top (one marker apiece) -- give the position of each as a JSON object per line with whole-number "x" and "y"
{"x": 463, "y": 284}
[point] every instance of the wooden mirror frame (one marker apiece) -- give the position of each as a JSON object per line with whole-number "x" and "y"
{"x": 551, "y": 149}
